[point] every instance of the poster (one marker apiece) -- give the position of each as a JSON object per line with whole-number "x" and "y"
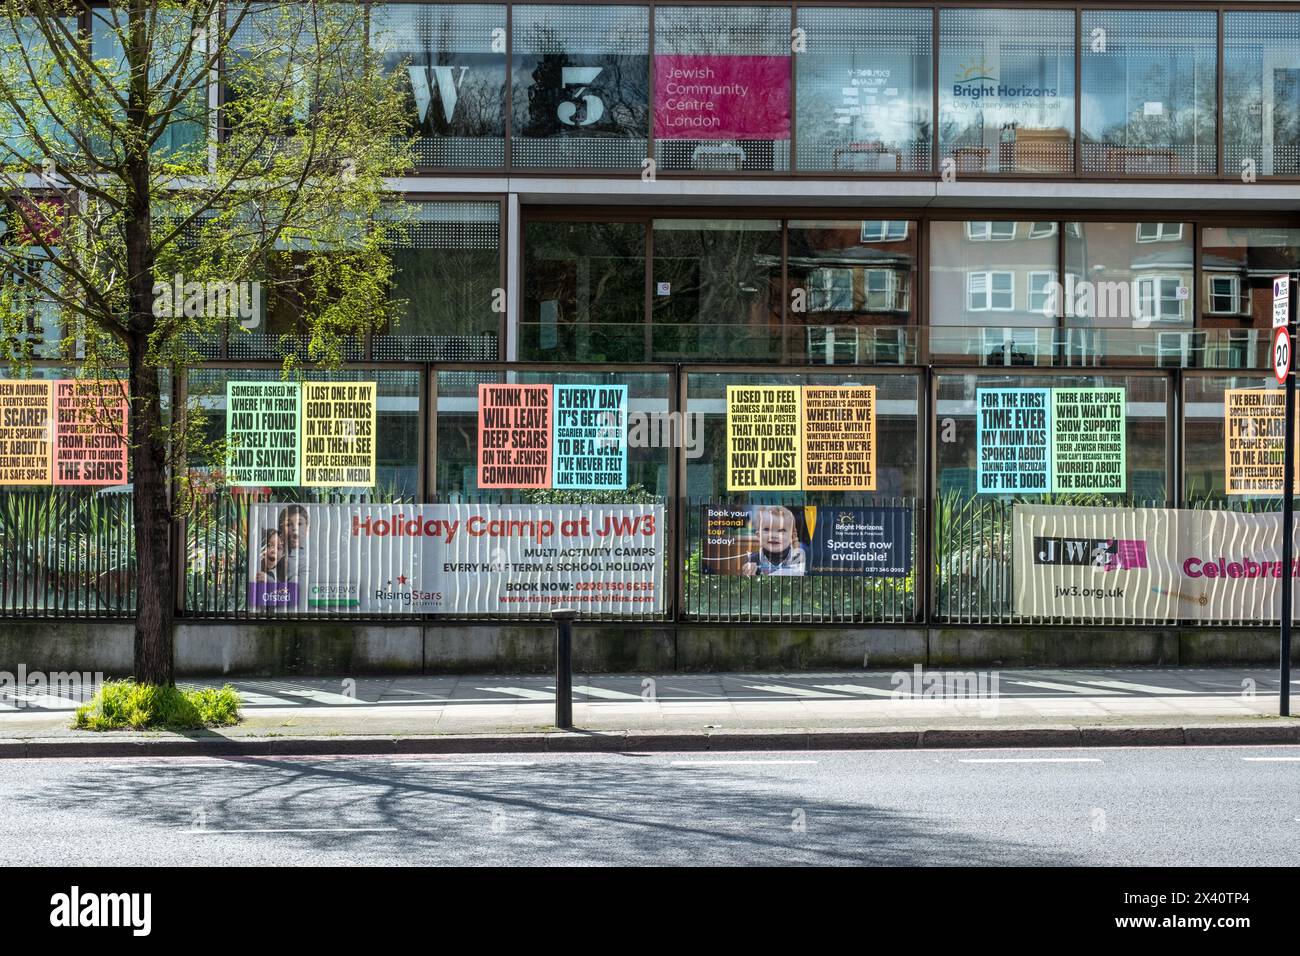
{"x": 763, "y": 440}
{"x": 1254, "y": 420}
{"x": 1088, "y": 439}
{"x": 1158, "y": 564}
{"x": 722, "y": 97}
{"x": 514, "y": 436}
{"x": 590, "y": 437}
{"x": 263, "y": 422}
{"x": 1014, "y": 425}
{"x": 90, "y": 420}
{"x": 806, "y": 540}
{"x": 25, "y": 432}
{"x": 456, "y": 559}
{"x": 338, "y": 434}
{"x": 839, "y": 438}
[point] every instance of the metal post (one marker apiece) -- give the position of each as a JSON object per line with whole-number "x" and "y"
{"x": 1288, "y": 516}
{"x": 564, "y": 667}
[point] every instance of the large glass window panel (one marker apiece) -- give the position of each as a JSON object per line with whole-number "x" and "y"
{"x": 722, "y": 88}
{"x": 1205, "y": 451}
{"x": 715, "y": 581}
{"x": 1006, "y": 90}
{"x": 1127, "y": 292}
{"x": 717, "y": 289}
{"x": 1238, "y": 265}
{"x": 852, "y": 289}
{"x": 456, "y": 433}
{"x": 584, "y": 292}
{"x": 447, "y": 277}
{"x": 581, "y": 86}
{"x": 987, "y": 282}
{"x": 26, "y": 65}
{"x": 453, "y": 58}
{"x": 185, "y": 138}
{"x": 1148, "y": 96}
{"x": 864, "y": 90}
{"x": 1261, "y": 92}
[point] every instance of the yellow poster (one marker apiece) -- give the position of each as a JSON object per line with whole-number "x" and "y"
{"x": 1253, "y": 425}
{"x": 338, "y": 434}
{"x": 839, "y": 438}
{"x": 763, "y": 438}
{"x": 25, "y": 432}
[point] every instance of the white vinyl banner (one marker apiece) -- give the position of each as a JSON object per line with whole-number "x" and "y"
{"x": 458, "y": 559}
{"x": 1147, "y": 563}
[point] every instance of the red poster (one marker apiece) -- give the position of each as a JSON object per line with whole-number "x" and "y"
{"x": 90, "y": 432}
{"x": 722, "y": 97}
{"x": 514, "y": 436}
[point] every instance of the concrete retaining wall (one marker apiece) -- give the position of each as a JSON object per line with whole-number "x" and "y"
{"x": 307, "y": 648}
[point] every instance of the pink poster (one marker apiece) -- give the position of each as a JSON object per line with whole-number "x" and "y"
{"x": 89, "y": 432}
{"x": 722, "y": 97}
{"x": 514, "y": 436}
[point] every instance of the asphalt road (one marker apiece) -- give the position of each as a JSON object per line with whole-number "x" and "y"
{"x": 1230, "y": 806}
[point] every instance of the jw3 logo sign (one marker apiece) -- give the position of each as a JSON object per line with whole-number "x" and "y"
{"x": 1101, "y": 554}
{"x": 551, "y": 93}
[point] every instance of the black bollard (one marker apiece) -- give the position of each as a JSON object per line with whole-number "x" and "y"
{"x": 564, "y": 668}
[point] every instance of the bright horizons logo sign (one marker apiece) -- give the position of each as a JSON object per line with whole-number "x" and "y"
{"x": 979, "y": 81}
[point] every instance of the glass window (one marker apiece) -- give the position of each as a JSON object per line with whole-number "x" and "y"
{"x": 722, "y": 88}
{"x": 863, "y": 90}
{"x": 580, "y": 87}
{"x": 1130, "y": 280}
{"x": 453, "y": 57}
{"x": 1261, "y": 93}
{"x": 851, "y": 288}
{"x": 185, "y": 138}
{"x": 1006, "y": 90}
{"x": 27, "y": 64}
{"x": 717, "y": 289}
{"x": 1205, "y": 448}
{"x": 651, "y": 435}
{"x": 1238, "y": 265}
{"x": 36, "y": 331}
{"x": 447, "y": 281}
{"x": 980, "y": 310}
{"x": 584, "y": 292}
{"x": 716, "y": 584}
{"x": 1149, "y": 92}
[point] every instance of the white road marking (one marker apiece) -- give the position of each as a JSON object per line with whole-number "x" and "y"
{"x": 741, "y": 763}
{"x": 1272, "y": 759}
{"x": 604, "y": 693}
{"x": 1029, "y": 760}
{"x": 1052, "y": 685}
{"x": 793, "y": 691}
{"x": 1145, "y": 688}
{"x": 869, "y": 691}
{"x": 303, "y": 830}
{"x": 525, "y": 692}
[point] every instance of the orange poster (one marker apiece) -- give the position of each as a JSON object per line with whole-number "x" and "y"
{"x": 25, "y": 432}
{"x": 90, "y": 418}
{"x": 839, "y": 438}
{"x": 514, "y": 436}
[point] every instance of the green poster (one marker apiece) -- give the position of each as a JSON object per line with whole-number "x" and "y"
{"x": 263, "y": 420}
{"x": 1088, "y": 438}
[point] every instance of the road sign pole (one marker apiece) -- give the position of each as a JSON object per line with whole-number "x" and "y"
{"x": 1288, "y": 516}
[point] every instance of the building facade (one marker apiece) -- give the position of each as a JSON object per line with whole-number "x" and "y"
{"x": 978, "y": 210}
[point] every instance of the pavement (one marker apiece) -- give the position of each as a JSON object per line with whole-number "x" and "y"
{"x": 1120, "y": 806}
{"x": 697, "y": 712}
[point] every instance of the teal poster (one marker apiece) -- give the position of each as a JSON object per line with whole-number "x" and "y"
{"x": 1013, "y": 444}
{"x": 590, "y": 440}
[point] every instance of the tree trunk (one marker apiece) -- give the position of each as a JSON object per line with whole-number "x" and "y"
{"x": 154, "y": 601}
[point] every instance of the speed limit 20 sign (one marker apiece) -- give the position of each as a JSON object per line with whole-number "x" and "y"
{"x": 1281, "y": 354}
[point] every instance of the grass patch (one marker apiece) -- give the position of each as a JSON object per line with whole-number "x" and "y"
{"x": 126, "y": 705}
